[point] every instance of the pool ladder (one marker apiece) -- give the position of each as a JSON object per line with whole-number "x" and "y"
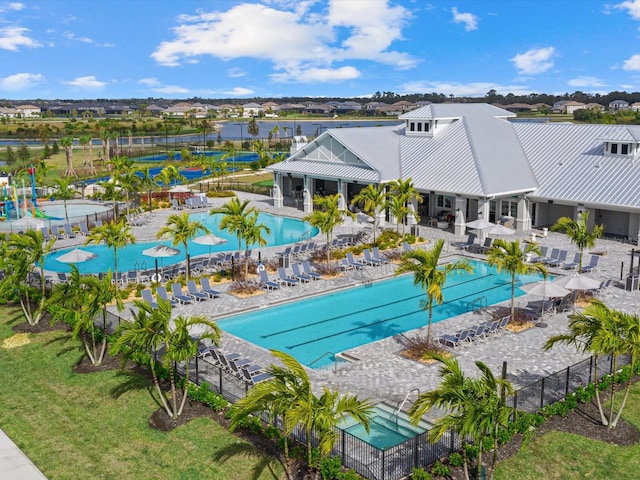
{"x": 140, "y": 266}
{"x": 399, "y": 405}
{"x": 326, "y": 354}
{"x": 364, "y": 276}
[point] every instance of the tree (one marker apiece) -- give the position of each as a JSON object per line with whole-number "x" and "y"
{"x": 78, "y": 302}
{"x": 423, "y": 264}
{"x": 67, "y": 144}
{"x": 22, "y": 254}
{"x": 405, "y": 193}
{"x": 230, "y": 154}
{"x": 182, "y": 229}
{"x": 151, "y": 329}
{"x": 476, "y": 407}
{"x": 168, "y": 175}
{"x": 326, "y": 216}
{"x": 372, "y": 199}
{"x": 510, "y": 257}
{"x": 289, "y": 394}
{"x": 64, "y": 191}
{"x": 578, "y": 232}
{"x": 252, "y": 234}
{"x": 603, "y": 332}
{"x": 115, "y": 235}
{"x": 147, "y": 183}
{"x": 87, "y": 154}
{"x": 253, "y": 128}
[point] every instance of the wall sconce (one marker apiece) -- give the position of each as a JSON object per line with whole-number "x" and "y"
{"x": 355, "y": 182}
{"x": 289, "y": 174}
{"x": 550, "y": 201}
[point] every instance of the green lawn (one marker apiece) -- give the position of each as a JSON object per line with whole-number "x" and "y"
{"x": 559, "y": 455}
{"x": 74, "y": 425}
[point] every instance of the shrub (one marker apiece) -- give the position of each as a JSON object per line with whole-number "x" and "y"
{"x": 440, "y": 469}
{"x": 330, "y": 468}
{"x": 349, "y": 475}
{"x": 455, "y": 459}
{"x": 420, "y": 474}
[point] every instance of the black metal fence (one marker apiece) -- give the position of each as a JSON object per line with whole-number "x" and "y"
{"x": 398, "y": 461}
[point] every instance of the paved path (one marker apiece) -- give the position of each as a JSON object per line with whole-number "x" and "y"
{"x": 14, "y": 465}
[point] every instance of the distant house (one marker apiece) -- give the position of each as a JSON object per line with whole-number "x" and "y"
{"x": 567, "y": 106}
{"x": 251, "y": 109}
{"x": 27, "y": 111}
{"x": 635, "y": 106}
{"x": 519, "y": 107}
{"x": 616, "y": 105}
{"x": 594, "y": 106}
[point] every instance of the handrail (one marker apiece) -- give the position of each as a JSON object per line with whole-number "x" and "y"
{"x": 473, "y": 304}
{"x": 305, "y": 234}
{"x": 335, "y": 360}
{"x": 399, "y": 405}
{"x": 368, "y": 278}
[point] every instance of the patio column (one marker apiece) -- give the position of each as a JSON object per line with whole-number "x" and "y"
{"x": 523, "y": 216}
{"x": 278, "y": 199}
{"x": 307, "y": 197}
{"x": 413, "y": 207}
{"x": 459, "y": 222}
{"x": 483, "y": 209}
{"x": 342, "y": 192}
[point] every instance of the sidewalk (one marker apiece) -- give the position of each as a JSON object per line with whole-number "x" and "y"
{"x": 14, "y": 465}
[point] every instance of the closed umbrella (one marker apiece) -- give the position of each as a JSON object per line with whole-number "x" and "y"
{"x": 479, "y": 224}
{"x": 160, "y": 251}
{"x": 76, "y": 256}
{"x": 210, "y": 239}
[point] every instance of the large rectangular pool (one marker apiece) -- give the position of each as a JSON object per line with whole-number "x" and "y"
{"x": 322, "y": 326}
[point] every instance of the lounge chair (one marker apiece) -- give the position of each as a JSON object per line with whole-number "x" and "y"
{"x": 68, "y": 231}
{"x": 306, "y": 266}
{"x": 542, "y": 256}
{"x": 178, "y": 295}
{"x": 471, "y": 239}
{"x": 266, "y": 283}
{"x": 193, "y": 292}
{"x": 61, "y": 277}
{"x": 559, "y": 260}
{"x": 205, "y": 287}
{"x": 552, "y": 256}
{"x": 603, "y": 285}
{"x": 283, "y": 277}
{"x": 84, "y": 231}
{"x": 455, "y": 341}
{"x": 254, "y": 378}
{"x": 345, "y": 265}
{"x": 148, "y": 298}
{"x": 298, "y": 274}
{"x": 285, "y": 253}
{"x": 131, "y": 276}
{"x": 592, "y": 265}
{"x": 406, "y": 247}
{"x": 574, "y": 264}
{"x": 161, "y": 292}
{"x": 485, "y": 246}
{"x": 45, "y": 234}
{"x": 355, "y": 263}
{"x": 175, "y": 205}
{"x": 368, "y": 258}
{"x": 378, "y": 256}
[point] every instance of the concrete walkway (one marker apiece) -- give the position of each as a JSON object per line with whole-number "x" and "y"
{"x": 14, "y": 465}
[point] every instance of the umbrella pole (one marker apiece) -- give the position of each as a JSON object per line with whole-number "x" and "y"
{"x": 156, "y": 275}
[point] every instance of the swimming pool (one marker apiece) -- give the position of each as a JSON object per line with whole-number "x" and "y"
{"x": 283, "y": 231}
{"x": 314, "y": 330}
{"x": 55, "y": 211}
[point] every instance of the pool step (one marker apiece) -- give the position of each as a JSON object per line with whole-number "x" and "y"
{"x": 390, "y": 412}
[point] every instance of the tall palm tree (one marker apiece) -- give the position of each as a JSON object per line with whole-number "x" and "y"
{"x": 67, "y": 144}
{"x": 150, "y": 330}
{"x": 22, "y": 253}
{"x": 115, "y": 235}
{"x": 603, "y": 331}
{"x": 289, "y": 394}
{"x": 326, "y": 216}
{"x": 372, "y": 199}
{"x": 252, "y": 234}
{"x": 87, "y": 154}
{"x": 423, "y": 264}
{"x": 65, "y": 191}
{"x": 397, "y": 207}
{"x": 407, "y": 193}
{"x": 578, "y": 232}
{"x": 168, "y": 175}
{"x": 147, "y": 183}
{"x": 476, "y": 407}
{"x": 181, "y": 229}
{"x": 230, "y": 154}
{"x": 510, "y": 257}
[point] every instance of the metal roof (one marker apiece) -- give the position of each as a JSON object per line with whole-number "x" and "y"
{"x": 321, "y": 169}
{"x": 456, "y": 110}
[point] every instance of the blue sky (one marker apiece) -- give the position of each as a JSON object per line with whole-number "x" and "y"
{"x": 85, "y": 49}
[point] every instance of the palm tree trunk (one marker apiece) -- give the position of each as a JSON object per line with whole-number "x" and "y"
{"x": 513, "y": 296}
{"x": 465, "y": 460}
{"x": 614, "y": 361}
{"x": 184, "y": 391}
{"x": 174, "y": 400}
{"x": 603, "y": 419}
{"x": 154, "y": 375}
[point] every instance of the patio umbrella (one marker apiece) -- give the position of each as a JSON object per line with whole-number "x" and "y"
{"x": 479, "y": 224}
{"x": 577, "y": 282}
{"x": 545, "y": 289}
{"x": 210, "y": 239}
{"x": 497, "y": 229}
{"x": 76, "y": 256}
{"x": 30, "y": 223}
{"x": 180, "y": 189}
{"x": 160, "y": 251}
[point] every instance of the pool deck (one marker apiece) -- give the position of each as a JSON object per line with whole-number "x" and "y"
{"x": 380, "y": 373}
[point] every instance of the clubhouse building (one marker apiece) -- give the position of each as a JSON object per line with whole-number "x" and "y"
{"x": 472, "y": 161}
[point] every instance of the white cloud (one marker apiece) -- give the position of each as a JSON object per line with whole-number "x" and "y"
{"x": 11, "y": 38}
{"x": 474, "y": 89}
{"x": 349, "y": 30}
{"x": 586, "y": 81}
{"x": 236, "y": 73}
{"x": 632, "y": 63}
{"x": 469, "y": 19}
{"x": 632, "y": 7}
{"x": 71, "y": 36}
{"x": 156, "y": 86}
{"x": 149, "y": 82}
{"x": 317, "y": 75}
{"x": 535, "y": 60}
{"x": 238, "y": 92}
{"x": 21, "y": 81}
{"x": 15, "y": 6}
{"x": 89, "y": 82}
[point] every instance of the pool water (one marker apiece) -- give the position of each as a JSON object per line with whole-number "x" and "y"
{"x": 314, "y": 330}
{"x": 283, "y": 231}
{"x": 386, "y": 428}
{"x": 55, "y": 211}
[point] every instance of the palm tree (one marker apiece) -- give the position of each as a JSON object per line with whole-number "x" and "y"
{"x": 87, "y": 161}
{"x": 115, "y": 235}
{"x": 65, "y": 191}
{"x": 147, "y": 183}
{"x": 22, "y": 254}
{"x": 407, "y": 193}
{"x": 231, "y": 153}
{"x": 67, "y": 144}
{"x": 476, "y": 407}
{"x": 423, "y": 264}
{"x": 150, "y": 330}
{"x": 326, "y": 216}
{"x": 289, "y": 394}
{"x": 372, "y": 199}
{"x": 252, "y": 235}
{"x": 169, "y": 174}
{"x": 181, "y": 229}
{"x": 603, "y": 331}
{"x": 578, "y": 232}
{"x": 399, "y": 209}
{"x": 510, "y": 257}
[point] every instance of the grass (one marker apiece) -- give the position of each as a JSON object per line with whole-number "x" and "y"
{"x": 560, "y": 455}
{"x": 81, "y": 426}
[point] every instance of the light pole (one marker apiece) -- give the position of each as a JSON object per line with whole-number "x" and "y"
{"x": 241, "y": 125}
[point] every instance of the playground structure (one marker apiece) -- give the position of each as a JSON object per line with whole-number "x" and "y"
{"x": 14, "y": 206}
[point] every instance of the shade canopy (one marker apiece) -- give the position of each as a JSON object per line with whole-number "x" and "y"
{"x": 161, "y": 251}
{"x": 29, "y": 223}
{"x": 76, "y": 256}
{"x": 479, "y": 224}
{"x": 578, "y": 282}
{"x": 498, "y": 229}
{"x": 545, "y": 289}
{"x": 210, "y": 239}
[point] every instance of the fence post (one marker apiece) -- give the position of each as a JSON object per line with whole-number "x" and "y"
{"x": 197, "y": 372}
{"x": 220, "y": 380}
{"x": 515, "y": 401}
{"x": 342, "y": 446}
{"x": 590, "y": 369}
{"x": 542, "y": 393}
{"x": 566, "y": 387}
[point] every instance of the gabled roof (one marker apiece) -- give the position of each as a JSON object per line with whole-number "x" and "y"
{"x": 456, "y": 110}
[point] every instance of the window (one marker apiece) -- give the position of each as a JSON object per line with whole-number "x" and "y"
{"x": 614, "y": 148}
{"x": 419, "y": 126}
{"x": 426, "y": 126}
{"x": 412, "y": 127}
{"x": 624, "y": 149}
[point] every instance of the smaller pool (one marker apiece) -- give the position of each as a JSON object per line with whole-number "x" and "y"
{"x": 386, "y": 429}
{"x": 55, "y": 211}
